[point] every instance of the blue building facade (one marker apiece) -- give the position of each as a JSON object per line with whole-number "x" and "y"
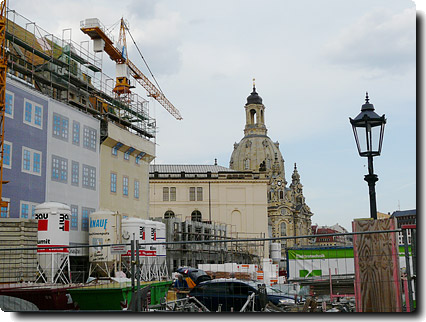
{"x": 25, "y": 150}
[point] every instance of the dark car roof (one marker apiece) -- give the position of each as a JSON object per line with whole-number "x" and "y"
{"x": 254, "y": 284}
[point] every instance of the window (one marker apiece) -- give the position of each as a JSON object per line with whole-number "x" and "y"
{"x": 5, "y": 210}
{"x": 38, "y": 114}
{"x": 36, "y": 162}
{"x": 283, "y": 229}
{"x": 199, "y": 194}
{"x": 169, "y": 214}
{"x": 75, "y": 170}
{"x": 246, "y": 164}
{"x": 31, "y": 161}
{"x": 76, "y": 133}
{"x": 172, "y": 193}
{"x": 139, "y": 157}
{"x": 28, "y": 114}
{"x": 115, "y": 148}
{"x": 195, "y": 197}
{"x": 216, "y": 288}
{"x": 241, "y": 289}
{"x": 125, "y": 186}
{"x": 192, "y": 194}
{"x": 33, "y": 206}
{"x": 136, "y": 193}
{"x": 165, "y": 193}
{"x": 127, "y": 153}
{"x": 89, "y": 177}
{"x": 85, "y": 212}
{"x": 59, "y": 169}
{"x": 27, "y": 209}
{"x": 196, "y": 216}
{"x": 89, "y": 138}
{"x": 113, "y": 182}
{"x": 74, "y": 217}
{"x": 26, "y": 160}
{"x": 7, "y": 155}
{"x": 63, "y": 170}
{"x": 9, "y": 107}
{"x": 60, "y": 127}
{"x": 24, "y": 210}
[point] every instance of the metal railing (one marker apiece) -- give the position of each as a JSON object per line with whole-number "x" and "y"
{"x": 136, "y": 276}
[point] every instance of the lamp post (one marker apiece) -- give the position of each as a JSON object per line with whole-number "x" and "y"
{"x": 368, "y": 128}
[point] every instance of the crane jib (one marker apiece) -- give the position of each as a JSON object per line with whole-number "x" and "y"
{"x": 120, "y": 56}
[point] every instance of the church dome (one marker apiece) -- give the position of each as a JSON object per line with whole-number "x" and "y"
{"x": 253, "y": 150}
{"x": 254, "y": 98}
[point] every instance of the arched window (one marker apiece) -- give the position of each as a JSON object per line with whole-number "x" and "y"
{"x": 283, "y": 229}
{"x": 281, "y": 194}
{"x": 169, "y": 214}
{"x": 246, "y": 164}
{"x": 196, "y": 216}
{"x": 252, "y": 116}
{"x": 283, "y": 233}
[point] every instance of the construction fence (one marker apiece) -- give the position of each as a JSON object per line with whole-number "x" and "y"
{"x": 217, "y": 275}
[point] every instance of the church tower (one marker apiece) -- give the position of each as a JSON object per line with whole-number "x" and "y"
{"x": 255, "y": 115}
{"x": 288, "y": 215}
{"x": 256, "y": 151}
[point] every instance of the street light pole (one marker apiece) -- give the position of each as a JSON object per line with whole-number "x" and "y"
{"x": 371, "y": 179}
{"x": 371, "y": 125}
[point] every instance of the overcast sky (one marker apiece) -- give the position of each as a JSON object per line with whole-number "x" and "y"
{"x": 313, "y": 62}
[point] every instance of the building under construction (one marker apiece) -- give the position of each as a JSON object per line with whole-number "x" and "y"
{"x": 70, "y": 136}
{"x": 73, "y": 135}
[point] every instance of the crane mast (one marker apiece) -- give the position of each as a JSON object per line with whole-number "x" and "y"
{"x": 3, "y": 67}
{"x": 124, "y": 67}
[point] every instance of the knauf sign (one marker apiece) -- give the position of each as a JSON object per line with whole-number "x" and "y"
{"x": 98, "y": 223}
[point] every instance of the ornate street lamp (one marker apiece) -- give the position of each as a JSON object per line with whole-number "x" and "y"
{"x": 368, "y": 130}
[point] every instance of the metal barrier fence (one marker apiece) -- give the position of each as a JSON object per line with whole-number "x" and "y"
{"x": 140, "y": 277}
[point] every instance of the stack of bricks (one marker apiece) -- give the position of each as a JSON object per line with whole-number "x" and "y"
{"x": 18, "y": 265}
{"x": 237, "y": 275}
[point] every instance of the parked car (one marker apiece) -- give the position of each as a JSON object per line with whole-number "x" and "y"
{"x": 193, "y": 276}
{"x": 231, "y": 294}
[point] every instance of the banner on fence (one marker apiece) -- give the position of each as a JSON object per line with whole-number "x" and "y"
{"x": 317, "y": 262}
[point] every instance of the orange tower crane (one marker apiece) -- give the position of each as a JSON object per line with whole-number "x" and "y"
{"x": 125, "y": 67}
{"x": 3, "y": 67}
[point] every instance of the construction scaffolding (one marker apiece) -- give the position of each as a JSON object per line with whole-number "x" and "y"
{"x": 193, "y": 253}
{"x": 72, "y": 73}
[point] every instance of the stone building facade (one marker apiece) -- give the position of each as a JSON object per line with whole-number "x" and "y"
{"x": 212, "y": 194}
{"x": 288, "y": 213}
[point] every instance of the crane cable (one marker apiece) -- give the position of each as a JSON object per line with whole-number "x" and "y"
{"x": 146, "y": 64}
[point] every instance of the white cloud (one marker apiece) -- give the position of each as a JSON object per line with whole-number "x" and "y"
{"x": 379, "y": 41}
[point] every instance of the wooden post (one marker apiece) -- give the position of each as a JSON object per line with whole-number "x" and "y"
{"x": 377, "y": 275}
